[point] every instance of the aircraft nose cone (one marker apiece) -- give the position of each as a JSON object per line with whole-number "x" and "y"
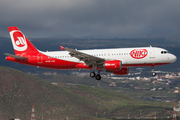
{"x": 173, "y": 58}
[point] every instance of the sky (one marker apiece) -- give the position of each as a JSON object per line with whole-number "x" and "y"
{"x": 99, "y": 18}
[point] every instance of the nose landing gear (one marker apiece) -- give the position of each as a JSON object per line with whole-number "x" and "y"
{"x": 153, "y": 73}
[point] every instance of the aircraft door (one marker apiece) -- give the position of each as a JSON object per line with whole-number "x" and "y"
{"x": 152, "y": 53}
{"x": 40, "y": 58}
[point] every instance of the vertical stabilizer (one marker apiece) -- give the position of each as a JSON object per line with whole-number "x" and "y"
{"x": 20, "y": 43}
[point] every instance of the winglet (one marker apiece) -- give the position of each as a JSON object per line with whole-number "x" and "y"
{"x": 61, "y": 47}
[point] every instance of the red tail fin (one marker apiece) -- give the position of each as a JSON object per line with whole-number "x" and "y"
{"x": 20, "y": 43}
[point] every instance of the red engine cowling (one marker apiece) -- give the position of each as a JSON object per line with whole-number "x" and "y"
{"x": 113, "y": 65}
{"x": 123, "y": 71}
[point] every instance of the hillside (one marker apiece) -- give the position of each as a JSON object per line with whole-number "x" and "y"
{"x": 19, "y": 91}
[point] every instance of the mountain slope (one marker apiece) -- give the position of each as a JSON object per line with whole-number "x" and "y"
{"x": 19, "y": 91}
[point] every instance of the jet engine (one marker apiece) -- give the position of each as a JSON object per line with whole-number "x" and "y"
{"x": 113, "y": 65}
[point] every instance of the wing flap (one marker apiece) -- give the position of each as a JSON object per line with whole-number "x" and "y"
{"x": 88, "y": 59}
{"x": 16, "y": 56}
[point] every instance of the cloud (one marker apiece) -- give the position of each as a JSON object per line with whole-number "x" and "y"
{"x": 106, "y": 18}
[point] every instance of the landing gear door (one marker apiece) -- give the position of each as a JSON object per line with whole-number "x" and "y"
{"x": 40, "y": 58}
{"x": 152, "y": 53}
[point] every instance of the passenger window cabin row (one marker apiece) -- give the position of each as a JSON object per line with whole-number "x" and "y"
{"x": 92, "y": 55}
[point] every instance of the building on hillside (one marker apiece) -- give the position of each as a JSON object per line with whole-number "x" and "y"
{"x": 113, "y": 84}
{"x": 176, "y": 91}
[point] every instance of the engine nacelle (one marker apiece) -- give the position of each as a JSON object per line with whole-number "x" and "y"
{"x": 123, "y": 71}
{"x": 113, "y": 65}
{"x": 83, "y": 66}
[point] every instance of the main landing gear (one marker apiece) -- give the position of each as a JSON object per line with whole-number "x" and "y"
{"x": 93, "y": 74}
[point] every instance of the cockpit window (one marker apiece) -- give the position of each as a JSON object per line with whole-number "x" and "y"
{"x": 164, "y": 52}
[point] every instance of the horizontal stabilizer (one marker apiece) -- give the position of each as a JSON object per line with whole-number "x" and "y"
{"x": 15, "y": 56}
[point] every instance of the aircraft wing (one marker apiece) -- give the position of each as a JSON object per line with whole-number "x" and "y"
{"x": 15, "y": 56}
{"x": 88, "y": 59}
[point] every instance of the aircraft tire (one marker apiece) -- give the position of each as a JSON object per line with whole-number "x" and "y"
{"x": 92, "y": 74}
{"x": 98, "y": 77}
{"x": 154, "y": 74}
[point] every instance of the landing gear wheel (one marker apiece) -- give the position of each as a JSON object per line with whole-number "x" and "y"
{"x": 154, "y": 74}
{"x": 92, "y": 74}
{"x": 98, "y": 77}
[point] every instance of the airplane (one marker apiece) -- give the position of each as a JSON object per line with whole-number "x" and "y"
{"x": 116, "y": 61}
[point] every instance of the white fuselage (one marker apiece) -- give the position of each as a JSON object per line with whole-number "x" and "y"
{"x": 154, "y": 56}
